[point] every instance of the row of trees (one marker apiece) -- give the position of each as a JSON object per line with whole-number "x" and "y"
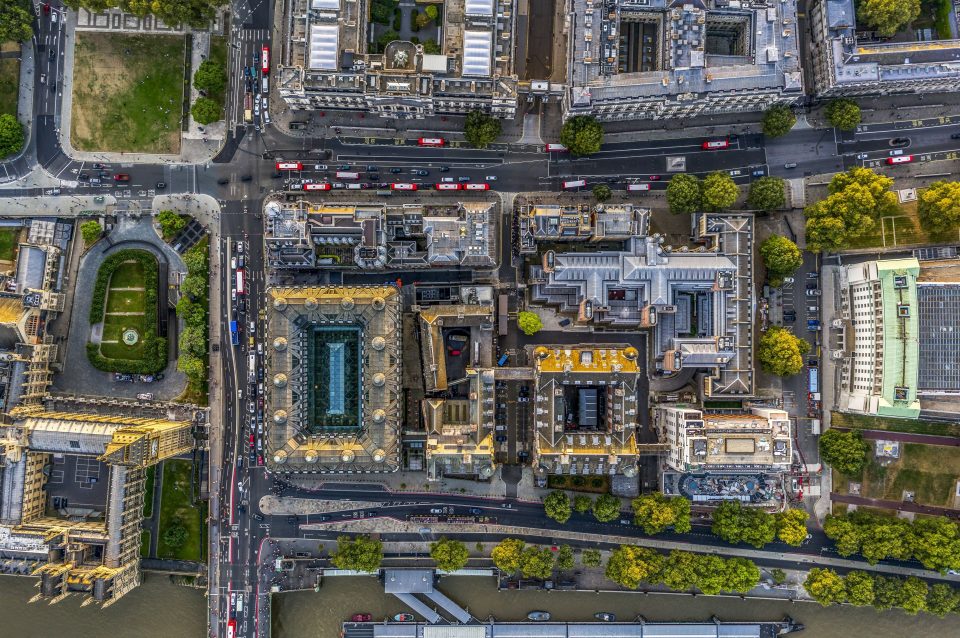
{"x": 934, "y": 542}
{"x": 735, "y": 523}
{"x": 16, "y": 21}
{"x": 717, "y": 191}
{"x": 211, "y": 78}
{"x": 863, "y": 589}
{"x": 194, "y": 308}
{"x": 196, "y": 13}
{"x": 558, "y": 506}
{"x": 631, "y": 565}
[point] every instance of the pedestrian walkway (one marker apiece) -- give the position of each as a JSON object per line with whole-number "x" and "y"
{"x": 900, "y": 506}
{"x": 906, "y": 437}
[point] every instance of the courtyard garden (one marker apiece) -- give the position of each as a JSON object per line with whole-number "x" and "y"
{"x": 182, "y": 520}
{"x": 124, "y": 307}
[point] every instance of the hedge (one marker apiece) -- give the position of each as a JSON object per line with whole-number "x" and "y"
{"x": 155, "y": 348}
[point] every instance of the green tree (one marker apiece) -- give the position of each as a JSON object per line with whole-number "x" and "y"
{"x": 843, "y": 113}
{"x": 431, "y": 47}
{"x": 175, "y": 535}
{"x": 360, "y": 554}
{"x": 718, "y": 191}
{"x": 194, "y": 287}
{"x": 449, "y": 554}
{"x": 845, "y": 534}
{"x": 529, "y": 322}
{"x": 655, "y": 513}
{"x": 536, "y": 563}
{"x": 90, "y": 231}
{"x": 630, "y": 565}
{"x": 557, "y": 506}
{"x": 195, "y": 260}
{"x": 711, "y": 574}
{"x": 683, "y": 194}
{"x": 171, "y": 223}
{"x": 432, "y": 11}
{"x": 193, "y": 367}
{"x": 680, "y": 570}
{"x": 507, "y": 555}
{"x": 886, "y": 537}
{"x": 565, "y": 557}
{"x": 210, "y": 76}
{"x": 735, "y": 523}
{"x": 766, "y": 193}
{"x": 479, "y": 128}
{"x": 741, "y": 575}
{"x": 606, "y": 508}
{"x": 845, "y": 452}
{"x": 825, "y": 586}
{"x": 942, "y": 599}
{"x": 582, "y": 504}
{"x": 780, "y": 352}
{"x": 193, "y": 340}
{"x": 914, "y": 594}
{"x": 206, "y": 111}
{"x": 590, "y": 558}
{"x": 778, "y": 120}
{"x": 778, "y": 575}
{"x": 582, "y": 135}
{"x": 601, "y": 192}
{"x": 781, "y": 257}
{"x": 939, "y": 207}
{"x": 11, "y": 135}
{"x": 16, "y": 21}
{"x": 887, "y": 16}
{"x": 887, "y": 592}
{"x": 858, "y": 586}
{"x": 196, "y": 13}
{"x": 792, "y": 526}
{"x": 937, "y": 543}
{"x": 422, "y": 21}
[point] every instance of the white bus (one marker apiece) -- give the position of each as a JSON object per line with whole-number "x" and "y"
{"x": 347, "y": 175}
{"x": 638, "y": 187}
{"x": 573, "y": 184}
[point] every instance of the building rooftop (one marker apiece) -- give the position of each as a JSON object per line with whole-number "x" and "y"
{"x": 332, "y": 373}
{"x": 938, "y": 308}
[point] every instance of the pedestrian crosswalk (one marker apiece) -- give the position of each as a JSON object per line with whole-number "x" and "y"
{"x": 254, "y": 35}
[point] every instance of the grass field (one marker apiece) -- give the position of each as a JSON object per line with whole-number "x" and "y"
{"x": 145, "y": 544}
{"x": 913, "y": 426}
{"x": 129, "y": 96}
{"x": 176, "y": 506}
{"x": 148, "y": 490}
{"x": 218, "y": 54}
{"x": 929, "y": 471}
{"x": 8, "y": 243}
{"x": 895, "y": 231}
{"x": 125, "y": 309}
{"x": 9, "y": 81}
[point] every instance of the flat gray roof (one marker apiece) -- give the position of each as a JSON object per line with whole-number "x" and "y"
{"x": 938, "y": 307}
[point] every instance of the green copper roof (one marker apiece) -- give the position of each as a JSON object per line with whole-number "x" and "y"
{"x": 901, "y": 331}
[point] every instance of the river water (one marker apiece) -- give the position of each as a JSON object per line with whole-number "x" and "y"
{"x": 159, "y": 609}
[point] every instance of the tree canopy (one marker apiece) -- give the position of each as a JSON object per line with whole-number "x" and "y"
{"x": 11, "y": 135}
{"x": 887, "y": 16}
{"x": 735, "y": 523}
{"x": 858, "y": 588}
{"x": 939, "y": 207}
{"x": 792, "y": 526}
{"x": 565, "y": 557}
{"x": 825, "y": 586}
{"x": 360, "y": 554}
{"x": 591, "y": 557}
{"x": 529, "y": 322}
{"x": 856, "y": 200}
{"x": 90, "y": 230}
{"x": 778, "y": 120}
{"x": 780, "y": 352}
{"x": 601, "y": 192}
{"x": 683, "y": 194}
{"x": 507, "y": 555}
{"x": 843, "y": 113}
{"x": 449, "y": 554}
{"x": 536, "y": 562}
{"x": 582, "y": 135}
{"x": 846, "y": 452}
{"x": 480, "y": 129}
{"x": 582, "y": 503}
{"x": 16, "y": 21}
{"x": 630, "y": 565}
{"x": 606, "y": 508}
{"x": 556, "y": 505}
{"x": 210, "y": 76}
{"x": 718, "y": 191}
{"x": 196, "y": 13}
{"x": 766, "y": 193}
{"x": 171, "y": 223}
{"x": 656, "y": 512}
{"x": 781, "y": 257}
{"x": 206, "y": 111}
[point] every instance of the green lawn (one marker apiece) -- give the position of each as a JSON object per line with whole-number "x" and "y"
{"x": 930, "y": 471}
{"x": 175, "y": 505}
{"x": 218, "y": 54}
{"x": 148, "y": 488}
{"x": 8, "y": 243}
{"x": 130, "y": 94}
{"x": 127, "y": 275}
{"x": 145, "y": 544}
{"x": 914, "y": 426}
{"x": 9, "y": 85}
{"x": 900, "y": 230}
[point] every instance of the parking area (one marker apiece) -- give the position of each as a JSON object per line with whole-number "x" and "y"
{"x": 77, "y": 482}
{"x": 512, "y": 429}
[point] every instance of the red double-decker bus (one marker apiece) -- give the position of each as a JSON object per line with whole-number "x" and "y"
{"x": 403, "y": 186}
{"x": 322, "y": 186}
{"x": 431, "y": 141}
{"x": 289, "y": 166}
{"x": 265, "y": 60}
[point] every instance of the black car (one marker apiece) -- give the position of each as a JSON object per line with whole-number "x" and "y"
{"x": 161, "y": 185}
{"x": 324, "y": 517}
{"x": 246, "y": 178}
{"x": 372, "y": 169}
{"x": 476, "y": 511}
{"x": 900, "y": 141}
{"x": 955, "y": 136}
{"x": 501, "y": 438}
{"x": 444, "y": 169}
{"x": 99, "y": 166}
{"x": 292, "y": 520}
{"x": 223, "y": 180}
{"x": 396, "y": 170}
{"x": 53, "y": 53}
{"x": 83, "y": 177}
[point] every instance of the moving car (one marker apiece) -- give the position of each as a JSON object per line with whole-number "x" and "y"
{"x": 121, "y": 177}
{"x": 902, "y": 159}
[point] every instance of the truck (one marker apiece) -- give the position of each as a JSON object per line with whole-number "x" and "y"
{"x": 234, "y": 334}
{"x": 240, "y": 289}
{"x": 814, "y": 381}
{"x": 248, "y": 107}
{"x": 252, "y": 368}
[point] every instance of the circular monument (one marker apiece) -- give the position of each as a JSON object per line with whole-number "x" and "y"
{"x": 130, "y": 337}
